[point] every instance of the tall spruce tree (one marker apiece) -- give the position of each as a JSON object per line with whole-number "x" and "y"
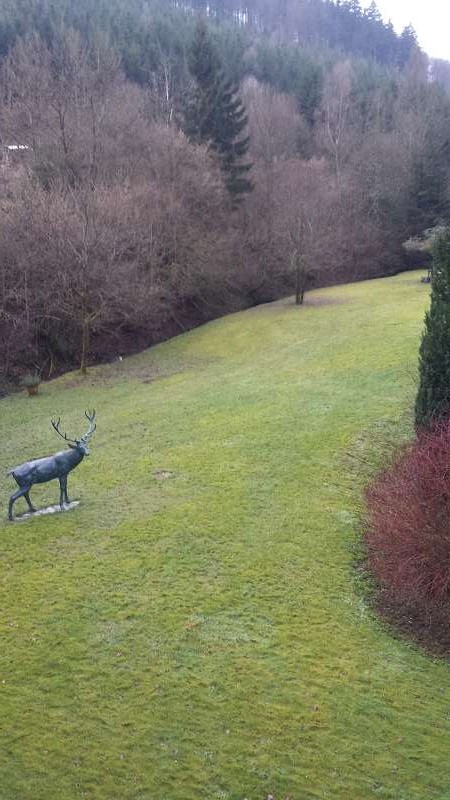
{"x": 215, "y": 113}
{"x": 407, "y": 45}
{"x": 433, "y": 396}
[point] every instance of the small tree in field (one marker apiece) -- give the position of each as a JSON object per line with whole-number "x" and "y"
{"x": 433, "y": 397}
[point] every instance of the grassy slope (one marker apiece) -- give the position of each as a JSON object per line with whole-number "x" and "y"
{"x": 201, "y": 637}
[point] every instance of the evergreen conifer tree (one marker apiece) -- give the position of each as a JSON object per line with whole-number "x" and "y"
{"x": 407, "y": 45}
{"x": 433, "y": 397}
{"x": 215, "y": 113}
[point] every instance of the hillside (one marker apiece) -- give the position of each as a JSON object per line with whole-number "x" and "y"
{"x": 193, "y": 629}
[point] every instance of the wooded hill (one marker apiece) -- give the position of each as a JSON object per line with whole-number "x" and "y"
{"x": 171, "y": 171}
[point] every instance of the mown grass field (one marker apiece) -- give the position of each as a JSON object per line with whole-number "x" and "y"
{"x": 193, "y": 630}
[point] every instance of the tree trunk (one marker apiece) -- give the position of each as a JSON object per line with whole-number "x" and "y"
{"x": 300, "y": 279}
{"x": 84, "y": 347}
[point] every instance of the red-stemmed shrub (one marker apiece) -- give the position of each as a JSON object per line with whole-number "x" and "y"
{"x": 408, "y": 523}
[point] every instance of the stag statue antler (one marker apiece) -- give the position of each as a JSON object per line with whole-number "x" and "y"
{"x": 90, "y": 415}
{"x": 55, "y": 426}
{"x": 58, "y": 466}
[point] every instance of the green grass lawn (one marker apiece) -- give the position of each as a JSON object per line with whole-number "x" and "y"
{"x": 193, "y": 630}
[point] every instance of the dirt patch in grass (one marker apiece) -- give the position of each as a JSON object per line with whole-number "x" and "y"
{"x": 319, "y": 300}
{"x": 135, "y": 368}
{"x": 163, "y": 474}
{"x": 311, "y": 299}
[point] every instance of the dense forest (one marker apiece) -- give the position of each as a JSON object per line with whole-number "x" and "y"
{"x": 167, "y": 162}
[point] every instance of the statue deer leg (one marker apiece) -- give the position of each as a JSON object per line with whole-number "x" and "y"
{"x": 22, "y": 492}
{"x": 63, "y": 491}
{"x": 30, "y": 504}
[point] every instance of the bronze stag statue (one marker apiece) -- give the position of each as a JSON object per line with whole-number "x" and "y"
{"x": 46, "y": 469}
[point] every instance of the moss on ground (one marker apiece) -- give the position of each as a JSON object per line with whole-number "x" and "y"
{"x": 193, "y": 630}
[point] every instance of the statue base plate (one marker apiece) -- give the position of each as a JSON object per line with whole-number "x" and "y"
{"x": 41, "y": 512}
